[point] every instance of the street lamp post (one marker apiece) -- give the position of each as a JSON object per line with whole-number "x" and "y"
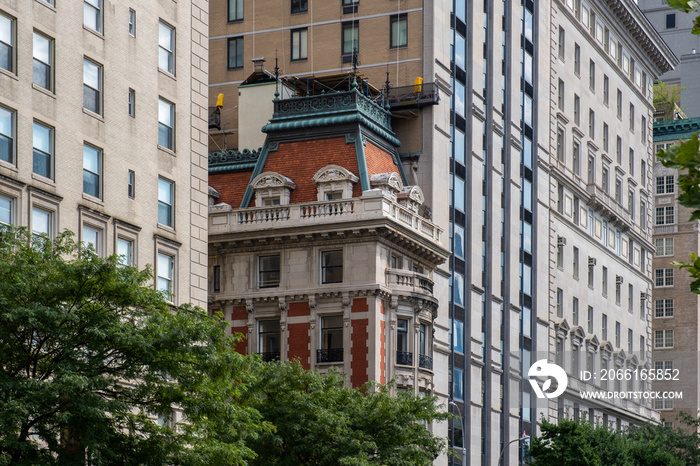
{"x": 464, "y": 433}
{"x": 524, "y": 437}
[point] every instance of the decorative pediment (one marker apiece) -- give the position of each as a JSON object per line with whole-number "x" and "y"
{"x": 592, "y": 343}
{"x": 620, "y": 357}
{"x": 606, "y": 349}
{"x": 577, "y": 335}
{"x": 390, "y": 182}
{"x": 632, "y": 361}
{"x": 562, "y": 328}
{"x": 272, "y": 180}
{"x": 412, "y": 196}
{"x": 331, "y": 173}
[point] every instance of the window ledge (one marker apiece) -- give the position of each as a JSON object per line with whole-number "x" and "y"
{"x": 9, "y": 74}
{"x": 166, "y": 228}
{"x": 8, "y": 166}
{"x": 166, "y": 150}
{"x": 94, "y": 115}
{"x": 167, "y": 73}
{"x": 43, "y": 90}
{"x": 47, "y": 5}
{"x": 43, "y": 179}
{"x": 93, "y": 32}
{"x": 93, "y": 199}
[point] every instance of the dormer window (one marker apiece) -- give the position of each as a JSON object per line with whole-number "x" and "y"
{"x": 334, "y": 182}
{"x": 388, "y": 182}
{"x": 411, "y": 197}
{"x": 272, "y": 189}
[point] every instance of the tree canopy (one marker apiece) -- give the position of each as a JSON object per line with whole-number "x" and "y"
{"x": 320, "y": 421}
{"x": 96, "y": 368}
{"x": 91, "y": 358}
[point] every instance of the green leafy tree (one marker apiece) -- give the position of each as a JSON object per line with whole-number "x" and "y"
{"x": 320, "y": 421}
{"x": 578, "y": 443}
{"x": 667, "y": 98}
{"x": 90, "y": 355}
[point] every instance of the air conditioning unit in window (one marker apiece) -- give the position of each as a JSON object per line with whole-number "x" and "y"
{"x": 619, "y": 280}
{"x": 561, "y": 241}
{"x": 644, "y": 296}
{"x": 591, "y": 261}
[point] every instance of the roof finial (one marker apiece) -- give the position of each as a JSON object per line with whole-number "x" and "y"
{"x": 277, "y": 78}
{"x": 354, "y": 68}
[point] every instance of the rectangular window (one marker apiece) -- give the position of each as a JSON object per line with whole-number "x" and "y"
{"x": 665, "y": 184}
{"x": 7, "y": 207}
{"x": 576, "y": 155}
{"x": 663, "y": 277}
{"x": 166, "y": 195}
{"x": 606, "y": 89}
{"x": 7, "y": 135}
{"x": 331, "y": 339}
{"x": 560, "y": 95}
{"x": 591, "y": 75}
{"x": 577, "y": 109}
{"x": 664, "y": 246}
{"x": 671, "y": 21}
{"x": 631, "y": 117}
{"x": 591, "y": 123}
{"x": 575, "y": 262}
{"x": 92, "y": 86}
{"x": 605, "y": 137}
{"x": 166, "y": 275}
{"x": 457, "y": 384}
{"x": 630, "y": 341}
{"x": 351, "y": 40}
{"x": 663, "y": 338}
{"x": 631, "y": 162}
{"x": 402, "y": 345}
{"x": 577, "y": 60}
{"x": 269, "y": 340}
{"x": 216, "y": 279}
{"x": 643, "y": 131}
{"x": 590, "y": 319}
{"x": 43, "y": 61}
{"x": 560, "y": 302}
{"x": 92, "y": 171}
{"x": 166, "y": 124}
{"x": 269, "y": 271}
{"x": 132, "y": 103}
{"x": 663, "y": 308}
{"x": 618, "y": 338}
{"x": 43, "y": 150}
{"x": 132, "y": 22}
{"x": 560, "y": 145}
{"x": 618, "y": 150}
{"x": 235, "y": 10}
{"x": 235, "y": 53}
{"x": 300, "y": 6}
{"x": 332, "y": 266}
{"x": 605, "y": 281}
{"x": 131, "y": 185}
{"x": 458, "y": 336}
{"x": 299, "y": 44}
{"x": 630, "y": 298}
{"x": 125, "y": 251}
{"x": 562, "y": 43}
{"x": 399, "y": 31}
{"x": 604, "y": 326}
{"x": 574, "y": 311}
{"x": 166, "y": 47}
{"x": 42, "y": 222}
{"x": 92, "y": 14}
{"x": 619, "y": 104}
{"x": 665, "y": 215}
{"x": 591, "y": 169}
{"x": 91, "y": 238}
{"x": 7, "y": 43}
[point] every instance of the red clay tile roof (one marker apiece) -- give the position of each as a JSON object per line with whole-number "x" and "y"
{"x": 378, "y": 160}
{"x": 300, "y": 160}
{"x": 231, "y": 186}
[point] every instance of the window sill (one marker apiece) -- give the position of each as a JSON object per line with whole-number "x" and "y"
{"x": 43, "y": 90}
{"x": 396, "y": 47}
{"x": 43, "y": 179}
{"x": 167, "y": 73}
{"x": 93, "y": 199}
{"x": 166, "y": 228}
{"x": 294, "y": 60}
{"x": 9, "y": 74}
{"x": 47, "y": 5}
{"x": 166, "y": 150}
{"x": 300, "y": 12}
{"x": 235, "y": 21}
{"x": 9, "y": 166}
{"x": 235, "y": 68}
{"x": 94, "y": 115}
{"x": 93, "y": 32}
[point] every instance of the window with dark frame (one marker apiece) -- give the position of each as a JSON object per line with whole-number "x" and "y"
{"x": 331, "y": 348}
{"x": 43, "y": 138}
{"x": 216, "y": 285}
{"x": 131, "y": 185}
{"x": 671, "y": 21}
{"x": 332, "y": 266}
{"x": 7, "y": 135}
{"x": 166, "y": 124}
{"x": 132, "y": 22}
{"x": 235, "y": 10}
{"x": 300, "y": 6}
{"x": 269, "y": 271}
{"x": 350, "y": 6}
{"x": 43, "y": 61}
{"x": 92, "y": 171}
{"x": 165, "y": 202}
{"x": 399, "y": 31}
{"x": 166, "y": 47}
{"x": 7, "y": 43}
{"x": 92, "y": 86}
{"x": 351, "y": 41}
{"x": 235, "y": 53}
{"x": 425, "y": 360}
{"x": 132, "y": 103}
{"x": 299, "y": 44}
{"x": 403, "y": 355}
{"x": 269, "y": 340}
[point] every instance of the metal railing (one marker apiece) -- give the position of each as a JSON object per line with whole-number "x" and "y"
{"x": 425, "y": 362}
{"x": 404, "y": 358}
{"x": 329, "y": 355}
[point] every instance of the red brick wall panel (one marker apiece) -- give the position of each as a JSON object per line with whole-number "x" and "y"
{"x": 359, "y": 364}
{"x": 299, "y": 343}
{"x": 360, "y": 305}
{"x": 239, "y": 313}
{"x": 378, "y": 160}
{"x": 231, "y": 186}
{"x": 382, "y": 351}
{"x": 298, "y": 309}
{"x": 242, "y": 344}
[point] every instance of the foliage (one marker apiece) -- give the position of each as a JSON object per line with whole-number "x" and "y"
{"x": 320, "y": 421}
{"x": 687, "y": 6}
{"x": 579, "y": 443}
{"x": 90, "y": 355}
{"x": 667, "y": 98}
{"x": 685, "y": 157}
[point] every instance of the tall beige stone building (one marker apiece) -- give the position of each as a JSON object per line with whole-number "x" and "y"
{"x": 103, "y": 130}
